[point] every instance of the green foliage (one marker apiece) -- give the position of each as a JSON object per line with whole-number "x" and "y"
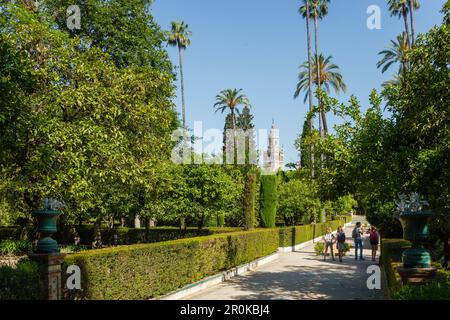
{"x": 268, "y": 200}
{"x": 249, "y": 201}
{"x": 149, "y": 270}
{"x": 23, "y": 282}
{"x": 15, "y": 247}
{"x": 79, "y": 124}
{"x": 197, "y": 192}
{"x": 291, "y": 236}
{"x": 297, "y": 202}
{"x": 319, "y": 248}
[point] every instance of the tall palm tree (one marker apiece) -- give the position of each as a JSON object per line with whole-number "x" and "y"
{"x": 231, "y": 99}
{"x": 330, "y": 77}
{"x": 319, "y": 11}
{"x": 400, "y": 8}
{"x": 413, "y": 5}
{"x": 179, "y": 37}
{"x": 396, "y": 52}
{"x": 303, "y": 10}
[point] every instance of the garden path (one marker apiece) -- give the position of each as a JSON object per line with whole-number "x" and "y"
{"x": 301, "y": 275}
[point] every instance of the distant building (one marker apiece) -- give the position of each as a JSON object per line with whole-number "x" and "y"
{"x": 273, "y": 158}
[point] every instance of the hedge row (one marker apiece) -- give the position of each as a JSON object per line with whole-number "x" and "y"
{"x": 291, "y": 236}
{"x": 391, "y": 251}
{"x": 145, "y": 271}
{"x": 124, "y": 235}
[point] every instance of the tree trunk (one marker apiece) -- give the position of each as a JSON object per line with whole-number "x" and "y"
{"x": 233, "y": 120}
{"x": 311, "y": 121}
{"x": 316, "y": 31}
{"x": 182, "y": 89}
{"x": 411, "y": 9}
{"x": 405, "y": 19}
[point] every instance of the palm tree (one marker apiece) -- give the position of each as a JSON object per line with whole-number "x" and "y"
{"x": 318, "y": 10}
{"x": 400, "y": 9}
{"x": 303, "y": 10}
{"x": 231, "y": 99}
{"x": 413, "y": 5}
{"x": 395, "y": 52}
{"x": 330, "y": 77}
{"x": 179, "y": 37}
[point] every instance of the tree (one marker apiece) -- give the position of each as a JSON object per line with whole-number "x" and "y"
{"x": 269, "y": 200}
{"x": 303, "y": 12}
{"x": 396, "y": 52}
{"x": 85, "y": 130}
{"x": 250, "y": 201}
{"x": 297, "y": 202}
{"x": 400, "y": 9}
{"x": 330, "y": 77}
{"x": 231, "y": 99}
{"x": 413, "y": 5}
{"x": 422, "y": 123}
{"x": 198, "y": 193}
{"x": 125, "y": 29}
{"x": 244, "y": 122}
{"x": 179, "y": 37}
{"x": 318, "y": 10}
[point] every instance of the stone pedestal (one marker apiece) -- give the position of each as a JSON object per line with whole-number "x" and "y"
{"x": 51, "y": 269}
{"x": 416, "y": 275}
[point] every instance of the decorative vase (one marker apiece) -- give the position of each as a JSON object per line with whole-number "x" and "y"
{"x": 415, "y": 229}
{"x": 46, "y": 228}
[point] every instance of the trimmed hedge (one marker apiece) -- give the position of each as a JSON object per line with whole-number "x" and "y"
{"x": 23, "y": 282}
{"x": 268, "y": 200}
{"x": 145, "y": 271}
{"x": 291, "y": 236}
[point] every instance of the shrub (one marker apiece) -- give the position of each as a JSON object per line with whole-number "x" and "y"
{"x": 249, "y": 201}
{"x": 15, "y": 247}
{"x": 23, "y": 282}
{"x": 145, "y": 271}
{"x": 319, "y": 248}
{"x": 268, "y": 200}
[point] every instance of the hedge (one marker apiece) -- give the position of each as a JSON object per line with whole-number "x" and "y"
{"x": 268, "y": 200}
{"x": 145, "y": 271}
{"x": 391, "y": 257}
{"x": 23, "y": 282}
{"x": 291, "y": 236}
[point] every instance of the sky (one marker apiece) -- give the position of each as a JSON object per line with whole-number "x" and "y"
{"x": 258, "y": 45}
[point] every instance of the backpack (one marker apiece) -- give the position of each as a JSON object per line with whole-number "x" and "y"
{"x": 354, "y": 234}
{"x": 373, "y": 236}
{"x": 341, "y": 237}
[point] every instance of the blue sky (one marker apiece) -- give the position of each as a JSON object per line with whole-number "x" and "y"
{"x": 258, "y": 45}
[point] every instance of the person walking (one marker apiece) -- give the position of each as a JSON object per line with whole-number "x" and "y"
{"x": 340, "y": 236}
{"x": 357, "y": 236}
{"x": 328, "y": 240}
{"x": 374, "y": 238}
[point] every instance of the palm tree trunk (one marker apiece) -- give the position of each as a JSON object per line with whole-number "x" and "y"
{"x": 405, "y": 19}
{"x": 316, "y": 31}
{"x": 233, "y": 120}
{"x": 182, "y": 88}
{"x": 311, "y": 126}
{"x": 411, "y": 9}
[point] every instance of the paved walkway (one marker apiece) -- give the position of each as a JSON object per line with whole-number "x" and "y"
{"x": 301, "y": 275}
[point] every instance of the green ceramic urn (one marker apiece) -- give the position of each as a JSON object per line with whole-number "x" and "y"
{"x": 47, "y": 218}
{"x": 415, "y": 229}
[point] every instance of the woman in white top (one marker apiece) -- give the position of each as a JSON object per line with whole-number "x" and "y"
{"x": 328, "y": 240}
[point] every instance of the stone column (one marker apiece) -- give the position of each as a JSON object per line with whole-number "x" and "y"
{"x": 51, "y": 272}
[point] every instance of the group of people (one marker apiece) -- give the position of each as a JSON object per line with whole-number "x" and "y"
{"x": 340, "y": 238}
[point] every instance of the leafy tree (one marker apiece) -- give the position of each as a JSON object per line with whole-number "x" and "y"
{"x": 124, "y": 29}
{"x": 298, "y": 202}
{"x": 86, "y": 131}
{"x": 179, "y": 37}
{"x": 268, "y": 200}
